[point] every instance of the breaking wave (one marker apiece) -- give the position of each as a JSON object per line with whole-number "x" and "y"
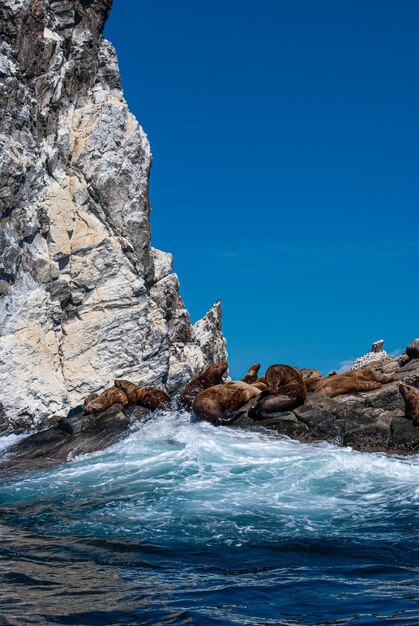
{"x": 229, "y": 526}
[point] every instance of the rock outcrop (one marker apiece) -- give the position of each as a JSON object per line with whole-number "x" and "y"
{"x": 382, "y": 420}
{"x": 71, "y": 436}
{"x": 377, "y": 353}
{"x": 84, "y": 298}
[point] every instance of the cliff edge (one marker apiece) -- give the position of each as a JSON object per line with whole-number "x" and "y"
{"x": 84, "y": 298}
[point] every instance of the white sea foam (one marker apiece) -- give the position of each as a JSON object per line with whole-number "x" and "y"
{"x": 175, "y": 478}
{"x": 10, "y": 440}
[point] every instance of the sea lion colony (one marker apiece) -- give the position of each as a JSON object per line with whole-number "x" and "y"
{"x": 282, "y": 388}
{"x": 374, "y": 408}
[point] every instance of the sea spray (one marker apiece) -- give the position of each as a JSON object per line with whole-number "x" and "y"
{"x": 188, "y": 523}
{"x": 172, "y": 480}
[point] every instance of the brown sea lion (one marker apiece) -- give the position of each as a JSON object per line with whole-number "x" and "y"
{"x": 283, "y": 378}
{"x": 153, "y": 398}
{"x": 148, "y": 397}
{"x": 213, "y": 375}
{"x": 218, "y": 404}
{"x": 110, "y": 396}
{"x": 252, "y": 374}
{"x": 309, "y": 372}
{"x": 129, "y": 388}
{"x": 312, "y": 382}
{"x": 286, "y": 390}
{"x": 364, "y": 379}
{"x": 368, "y": 373}
{"x": 90, "y": 397}
{"x": 260, "y": 385}
{"x": 411, "y": 400}
{"x": 261, "y": 379}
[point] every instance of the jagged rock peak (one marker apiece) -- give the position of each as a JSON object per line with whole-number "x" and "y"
{"x": 83, "y": 295}
{"x": 208, "y": 333}
{"x": 377, "y": 353}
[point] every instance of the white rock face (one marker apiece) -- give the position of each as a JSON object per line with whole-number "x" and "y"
{"x": 84, "y": 298}
{"x": 377, "y": 353}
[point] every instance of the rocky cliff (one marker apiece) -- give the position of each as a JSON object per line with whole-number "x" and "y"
{"x": 84, "y": 298}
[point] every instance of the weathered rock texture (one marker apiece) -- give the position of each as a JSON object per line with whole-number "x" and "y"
{"x": 377, "y": 353}
{"x": 70, "y": 437}
{"x": 84, "y": 298}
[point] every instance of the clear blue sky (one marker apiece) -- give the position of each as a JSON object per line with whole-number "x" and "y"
{"x": 285, "y": 166}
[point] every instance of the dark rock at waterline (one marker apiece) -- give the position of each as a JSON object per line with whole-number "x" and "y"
{"x": 338, "y": 424}
{"x": 373, "y": 421}
{"x": 371, "y": 437}
{"x": 71, "y": 436}
{"x": 77, "y": 421}
{"x": 137, "y": 413}
{"x": 404, "y": 436}
{"x": 20, "y": 424}
{"x": 387, "y": 398}
{"x": 285, "y": 422}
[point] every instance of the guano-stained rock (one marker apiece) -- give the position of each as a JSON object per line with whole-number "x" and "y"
{"x": 84, "y": 298}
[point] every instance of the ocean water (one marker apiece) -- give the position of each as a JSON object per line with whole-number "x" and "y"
{"x": 184, "y": 523}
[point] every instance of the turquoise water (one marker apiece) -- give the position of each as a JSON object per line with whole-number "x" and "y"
{"x": 185, "y": 523}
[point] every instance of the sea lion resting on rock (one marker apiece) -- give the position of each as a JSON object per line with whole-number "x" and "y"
{"x": 90, "y": 397}
{"x": 261, "y": 383}
{"x": 309, "y": 372}
{"x": 219, "y": 403}
{"x": 212, "y": 376}
{"x": 411, "y": 399}
{"x": 148, "y": 397}
{"x": 312, "y": 382}
{"x": 364, "y": 379}
{"x": 252, "y": 374}
{"x": 105, "y": 400}
{"x": 286, "y": 390}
